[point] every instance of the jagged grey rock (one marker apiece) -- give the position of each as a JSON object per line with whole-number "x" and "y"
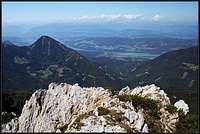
{"x": 71, "y": 108}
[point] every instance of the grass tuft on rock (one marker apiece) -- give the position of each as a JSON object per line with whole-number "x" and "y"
{"x": 171, "y": 109}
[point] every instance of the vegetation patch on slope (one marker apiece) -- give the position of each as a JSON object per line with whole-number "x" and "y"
{"x": 171, "y": 109}
{"x": 187, "y": 123}
{"x": 151, "y": 110}
{"x": 115, "y": 118}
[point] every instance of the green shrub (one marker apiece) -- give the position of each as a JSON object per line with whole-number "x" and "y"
{"x": 102, "y": 111}
{"x": 156, "y": 128}
{"x": 124, "y": 97}
{"x": 149, "y": 120}
{"x": 171, "y": 109}
{"x": 139, "y": 102}
{"x": 154, "y": 113}
{"x": 150, "y": 106}
{"x": 116, "y": 119}
{"x": 126, "y": 127}
{"x": 63, "y": 128}
{"x": 187, "y": 123}
{"x": 77, "y": 123}
{"x": 153, "y": 122}
{"x": 113, "y": 113}
{"x": 181, "y": 114}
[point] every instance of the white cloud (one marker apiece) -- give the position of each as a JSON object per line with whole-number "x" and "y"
{"x": 103, "y": 17}
{"x": 156, "y": 18}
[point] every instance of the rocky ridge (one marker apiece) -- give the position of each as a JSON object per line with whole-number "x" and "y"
{"x": 71, "y": 108}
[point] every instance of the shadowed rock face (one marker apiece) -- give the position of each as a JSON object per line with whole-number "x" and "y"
{"x": 71, "y": 108}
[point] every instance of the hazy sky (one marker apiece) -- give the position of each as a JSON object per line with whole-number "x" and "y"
{"x": 50, "y": 12}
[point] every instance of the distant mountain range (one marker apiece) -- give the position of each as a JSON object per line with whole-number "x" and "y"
{"x": 65, "y": 31}
{"x": 47, "y": 60}
{"x": 119, "y": 44}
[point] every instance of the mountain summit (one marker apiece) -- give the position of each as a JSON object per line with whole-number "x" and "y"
{"x": 47, "y": 46}
{"x": 46, "y": 41}
{"x": 48, "y": 51}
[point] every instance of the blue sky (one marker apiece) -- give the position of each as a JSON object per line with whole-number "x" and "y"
{"x": 47, "y": 12}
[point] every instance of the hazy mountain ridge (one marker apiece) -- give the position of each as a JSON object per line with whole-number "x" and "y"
{"x": 62, "y": 30}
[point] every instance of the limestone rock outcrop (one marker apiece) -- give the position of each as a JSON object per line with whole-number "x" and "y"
{"x": 71, "y": 108}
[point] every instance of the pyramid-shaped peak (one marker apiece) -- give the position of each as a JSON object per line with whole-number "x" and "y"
{"x": 46, "y": 40}
{"x": 48, "y": 45}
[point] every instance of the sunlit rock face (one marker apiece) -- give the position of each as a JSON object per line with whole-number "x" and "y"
{"x": 71, "y": 108}
{"x": 150, "y": 91}
{"x": 182, "y": 105}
